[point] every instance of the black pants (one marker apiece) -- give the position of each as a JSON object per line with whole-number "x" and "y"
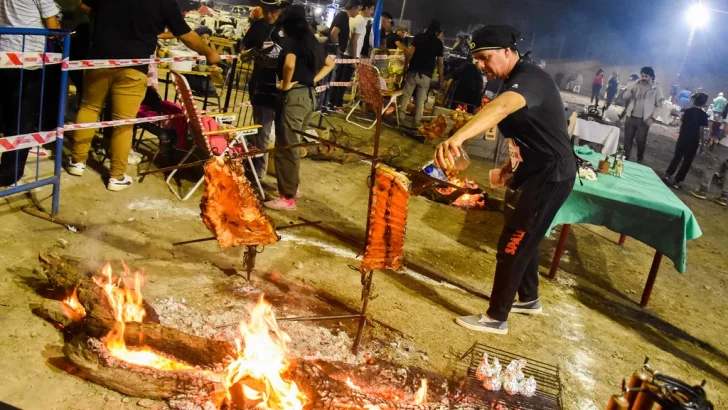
{"x": 610, "y": 98}
{"x": 686, "y": 154}
{"x": 635, "y": 128}
{"x": 596, "y": 89}
{"x": 12, "y": 163}
{"x": 516, "y": 271}
{"x": 344, "y": 74}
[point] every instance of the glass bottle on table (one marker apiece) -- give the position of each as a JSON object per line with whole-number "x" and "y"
{"x": 618, "y": 166}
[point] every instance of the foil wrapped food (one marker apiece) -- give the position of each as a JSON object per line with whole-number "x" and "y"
{"x": 513, "y": 376}
{"x": 528, "y": 387}
{"x": 489, "y": 374}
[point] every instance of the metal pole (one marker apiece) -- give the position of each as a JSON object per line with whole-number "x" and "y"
{"x": 61, "y": 123}
{"x": 533, "y": 41}
{"x": 562, "y": 47}
{"x": 401, "y": 16}
{"x": 229, "y": 93}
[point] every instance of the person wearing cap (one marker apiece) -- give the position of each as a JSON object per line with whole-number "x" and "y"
{"x": 540, "y": 172}
{"x": 262, "y": 43}
{"x": 645, "y": 97}
{"x": 120, "y": 34}
{"x": 302, "y": 64}
{"x": 694, "y": 121}
{"x": 339, "y": 38}
{"x": 425, "y": 53}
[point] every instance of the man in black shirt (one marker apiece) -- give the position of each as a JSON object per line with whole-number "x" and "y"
{"x": 694, "y": 120}
{"x": 339, "y": 35}
{"x": 262, "y": 42}
{"x": 124, "y": 30}
{"x": 426, "y": 50}
{"x": 395, "y": 40}
{"x": 540, "y": 173}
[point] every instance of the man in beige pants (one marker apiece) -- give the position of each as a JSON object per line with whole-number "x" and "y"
{"x": 124, "y": 30}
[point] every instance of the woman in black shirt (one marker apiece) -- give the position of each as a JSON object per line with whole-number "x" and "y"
{"x": 302, "y": 64}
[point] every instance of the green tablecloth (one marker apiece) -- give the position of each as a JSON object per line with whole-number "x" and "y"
{"x": 638, "y": 205}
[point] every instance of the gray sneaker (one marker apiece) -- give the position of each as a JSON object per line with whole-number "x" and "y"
{"x": 528, "y": 308}
{"x": 483, "y": 323}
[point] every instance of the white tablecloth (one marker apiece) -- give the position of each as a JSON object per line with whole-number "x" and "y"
{"x": 607, "y": 135}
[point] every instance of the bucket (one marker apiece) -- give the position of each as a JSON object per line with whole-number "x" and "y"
{"x": 183, "y": 65}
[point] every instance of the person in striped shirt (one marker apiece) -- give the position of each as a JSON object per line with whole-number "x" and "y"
{"x": 21, "y": 87}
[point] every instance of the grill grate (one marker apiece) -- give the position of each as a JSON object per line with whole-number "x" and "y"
{"x": 548, "y": 393}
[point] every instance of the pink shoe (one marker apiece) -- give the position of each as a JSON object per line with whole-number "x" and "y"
{"x": 282, "y": 204}
{"x": 298, "y": 194}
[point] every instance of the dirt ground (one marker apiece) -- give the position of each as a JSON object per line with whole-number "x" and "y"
{"x": 593, "y": 327}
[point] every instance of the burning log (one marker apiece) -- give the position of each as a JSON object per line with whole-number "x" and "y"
{"x": 57, "y": 312}
{"x": 92, "y": 357}
{"x": 65, "y": 275}
{"x": 230, "y": 208}
{"x": 387, "y": 221}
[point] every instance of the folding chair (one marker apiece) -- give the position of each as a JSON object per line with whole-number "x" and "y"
{"x": 201, "y": 138}
{"x": 371, "y": 75}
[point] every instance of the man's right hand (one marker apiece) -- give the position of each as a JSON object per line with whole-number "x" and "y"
{"x": 213, "y": 57}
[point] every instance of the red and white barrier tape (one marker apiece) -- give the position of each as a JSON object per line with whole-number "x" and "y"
{"x": 29, "y": 140}
{"x": 367, "y": 60}
{"x": 117, "y": 63}
{"x": 28, "y": 59}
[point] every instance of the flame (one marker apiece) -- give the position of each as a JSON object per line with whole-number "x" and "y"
{"x": 352, "y": 385}
{"x": 465, "y": 200}
{"x": 421, "y": 396}
{"x": 126, "y": 303}
{"x": 262, "y": 357}
{"x": 73, "y": 302}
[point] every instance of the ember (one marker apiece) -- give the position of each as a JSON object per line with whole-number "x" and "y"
{"x": 126, "y": 303}
{"x": 262, "y": 358}
{"x": 73, "y": 303}
{"x": 466, "y": 201}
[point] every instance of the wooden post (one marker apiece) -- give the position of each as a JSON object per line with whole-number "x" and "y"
{"x": 559, "y": 250}
{"x": 622, "y": 239}
{"x": 651, "y": 279}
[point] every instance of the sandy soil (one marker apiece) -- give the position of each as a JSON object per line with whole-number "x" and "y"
{"x": 593, "y": 327}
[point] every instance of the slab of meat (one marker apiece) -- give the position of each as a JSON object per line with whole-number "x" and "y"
{"x": 387, "y": 221}
{"x": 230, "y": 208}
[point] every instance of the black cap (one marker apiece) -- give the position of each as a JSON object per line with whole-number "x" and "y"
{"x": 274, "y": 4}
{"x": 296, "y": 12}
{"x": 494, "y": 38}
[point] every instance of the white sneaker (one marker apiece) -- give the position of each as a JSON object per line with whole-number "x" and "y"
{"x": 119, "y": 184}
{"x": 134, "y": 158}
{"x": 75, "y": 168}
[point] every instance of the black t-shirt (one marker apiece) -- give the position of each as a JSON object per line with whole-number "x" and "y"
{"x": 540, "y": 128}
{"x": 427, "y": 49}
{"x": 127, "y": 29}
{"x": 613, "y": 85}
{"x": 307, "y": 60}
{"x": 392, "y": 39}
{"x": 692, "y": 120}
{"x": 469, "y": 89}
{"x": 342, "y": 22}
{"x": 367, "y": 46}
{"x": 262, "y": 84}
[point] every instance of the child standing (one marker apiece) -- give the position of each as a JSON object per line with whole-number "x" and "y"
{"x": 597, "y": 85}
{"x": 693, "y": 121}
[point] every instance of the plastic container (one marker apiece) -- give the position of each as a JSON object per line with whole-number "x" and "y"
{"x": 182, "y": 65}
{"x": 433, "y": 171}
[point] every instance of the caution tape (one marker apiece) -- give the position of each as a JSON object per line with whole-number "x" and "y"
{"x": 28, "y": 59}
{"x": 367, "y": 60}
{"x": 29, "y": 140}
{"x": 119, "y": 63}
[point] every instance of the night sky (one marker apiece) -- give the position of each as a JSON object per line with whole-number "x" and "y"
{"x": 618, "y": 32}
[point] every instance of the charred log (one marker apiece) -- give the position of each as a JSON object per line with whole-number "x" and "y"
{"x": 90, "y": 355}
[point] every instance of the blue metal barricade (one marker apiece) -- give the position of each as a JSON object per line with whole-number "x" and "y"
{"x": 15, "y": 143}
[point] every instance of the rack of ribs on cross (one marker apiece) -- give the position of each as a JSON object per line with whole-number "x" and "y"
{"x": 230, "y": 208}
{"x": 387, "y": 221}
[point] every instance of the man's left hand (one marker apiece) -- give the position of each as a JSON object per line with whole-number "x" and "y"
{"x": 650, "y": 121}
{"x": 213, "y": 57}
